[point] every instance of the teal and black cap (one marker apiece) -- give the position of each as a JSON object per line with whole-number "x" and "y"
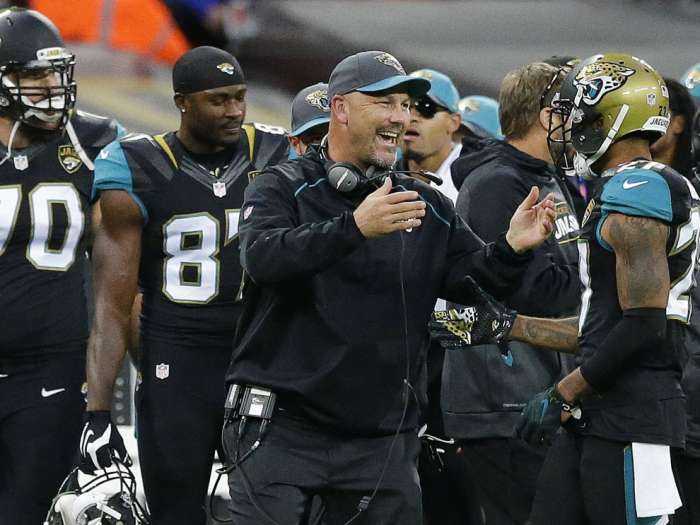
{"x": 371, "y": 72}
{"x": 206, "y": 67}
{"x": 310, "y": 108}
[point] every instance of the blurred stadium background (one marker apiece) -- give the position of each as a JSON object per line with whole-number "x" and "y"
{"x": 125, "y": 49}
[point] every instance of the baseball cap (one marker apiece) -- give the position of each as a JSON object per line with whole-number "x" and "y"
{"x": 442, "y": 90}
{"x": 482, "y": 112}
{"x": 373, "y": 71}
{"x": 691, "y": 80}
{"x": 310, "y": 108}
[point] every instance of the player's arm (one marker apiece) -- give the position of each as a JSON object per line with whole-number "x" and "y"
{"x": 643, "y": 283}
{"x": 559, "y": 335}
{"x": 116, "y": 255}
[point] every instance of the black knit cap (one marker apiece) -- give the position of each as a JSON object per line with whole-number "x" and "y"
{"x": 206, "y": 67}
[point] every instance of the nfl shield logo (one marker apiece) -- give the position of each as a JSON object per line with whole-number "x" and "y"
{"x": 21, "y": 162}
{"x": 162, "y": 371}
{"x": 219, "y": 189}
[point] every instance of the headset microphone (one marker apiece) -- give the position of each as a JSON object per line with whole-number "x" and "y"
{"x": 422, "y": 173}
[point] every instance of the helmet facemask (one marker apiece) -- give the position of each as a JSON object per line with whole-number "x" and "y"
{"x": 562, "y": 117}
{"x": 40, "y": 94}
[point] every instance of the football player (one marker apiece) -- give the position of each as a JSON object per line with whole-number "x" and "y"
{"x": 170, "y": 205}
{"x": 623, "y": 407}
{"x": 46, "y": 161}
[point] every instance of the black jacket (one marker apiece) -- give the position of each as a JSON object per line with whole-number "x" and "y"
{"x": 483, "y": 391}
{"x": 324, "y": 323}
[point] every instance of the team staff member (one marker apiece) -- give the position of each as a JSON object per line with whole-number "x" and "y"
{"x": 310, "y": 117}
{"x": 46, "y": 161}
{"x": 428, "y": 144}
{"x": 170, "y": 207}
{"x": 345, "y": 265}
{"x": 485, "y": 390}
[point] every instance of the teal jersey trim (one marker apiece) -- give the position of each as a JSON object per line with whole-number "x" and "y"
{"x": 637, "y": 192}
{"x": 112, "y": 172}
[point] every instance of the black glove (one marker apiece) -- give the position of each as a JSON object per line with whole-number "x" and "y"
{"x": 484, "y": 321}
{"x": 100, "y": 442}
{"x": 541, "y": 418}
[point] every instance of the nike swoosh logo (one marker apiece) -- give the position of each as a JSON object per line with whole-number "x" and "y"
{"x": 629, "y": 185}
{"x": 49, "y": 393}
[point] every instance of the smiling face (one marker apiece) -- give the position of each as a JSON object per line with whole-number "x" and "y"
{"x": 214, "y": 117}
{"x": 375, "y": 126}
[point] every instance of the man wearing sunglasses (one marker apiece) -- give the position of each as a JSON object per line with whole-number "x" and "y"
{"x": 428, "y": 143}
{"x": 484, "y": 389}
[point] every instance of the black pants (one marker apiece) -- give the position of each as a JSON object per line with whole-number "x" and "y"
{"x": 297, "y": 462}
{"x": 505, "y": 471}
{"x": 687, "y": 470}
{"x": 41, "y": 410}
{"x": 449, "y": 492}
{"x": 179, "y": 406}
{"x": 582, "y": 483}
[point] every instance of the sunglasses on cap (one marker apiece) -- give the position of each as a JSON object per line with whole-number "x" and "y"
{"x": 426, "y": 108}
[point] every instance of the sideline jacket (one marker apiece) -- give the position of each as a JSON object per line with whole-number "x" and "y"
{"x": 324, "y": 321}
{"x": 483, "y": 390}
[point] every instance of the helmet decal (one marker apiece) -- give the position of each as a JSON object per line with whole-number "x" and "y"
{"x": 597, "y": 79}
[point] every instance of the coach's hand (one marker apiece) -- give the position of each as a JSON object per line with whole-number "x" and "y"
{"x": 100, "y": 442}
{"x": 532, "y": 222}
{"x": 384, "y": 212}
{"x": 484, "y": 321}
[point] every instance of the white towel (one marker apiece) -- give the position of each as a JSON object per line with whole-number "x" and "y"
{"x": 655, "y": 491}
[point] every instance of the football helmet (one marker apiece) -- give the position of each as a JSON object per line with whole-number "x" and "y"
{"x": 108, "y": 498}
{"x": 31, "y": 47}
{"x": 602, "y": 99}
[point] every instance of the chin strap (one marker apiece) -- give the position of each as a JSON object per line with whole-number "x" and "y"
{"x": 15, "y": 127}
{"x": 78, "y": 147}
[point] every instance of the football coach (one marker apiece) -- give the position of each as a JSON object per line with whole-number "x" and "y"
{"x": 344, "y": 260}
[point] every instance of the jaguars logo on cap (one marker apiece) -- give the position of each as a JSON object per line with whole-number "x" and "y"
{"x": 390, "y": 60}
{"x": 319, "y": 99}
{"x": 227, "y": 68}
{"x": 469, "y": 104}
{"x": 598, "y": 78}
{"x": 69, "y": 159}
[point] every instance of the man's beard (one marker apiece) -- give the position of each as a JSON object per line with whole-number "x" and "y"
{"x": 415, "y": 156}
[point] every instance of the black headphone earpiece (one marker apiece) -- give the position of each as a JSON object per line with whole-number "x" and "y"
{"x": 348, "y": 178}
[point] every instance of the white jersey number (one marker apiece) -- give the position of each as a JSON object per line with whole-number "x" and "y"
{"x": 191, "y": 266}
{"x": 42, "y": 200}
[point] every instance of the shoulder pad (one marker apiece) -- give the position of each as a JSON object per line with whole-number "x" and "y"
{"x": 95, "y": 131}
{"x": 640, "y": 192}
{"x": 267, "y": 145}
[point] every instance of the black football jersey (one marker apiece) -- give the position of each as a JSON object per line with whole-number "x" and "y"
{"x": 189, "y": 272}
{"x": 44, "y": 217}
{"x": 645, "y": 402}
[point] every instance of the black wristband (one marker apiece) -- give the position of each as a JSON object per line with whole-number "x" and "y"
{"x": 640, "y": 329}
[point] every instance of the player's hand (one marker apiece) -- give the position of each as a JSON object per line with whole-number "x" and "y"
{"x": 532, "y": 222}
{"x": 543, "y": 415}
{"x": 384, "y": 212}
{"x": 100, "y": 442}
{"x": 484, "y": 321}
